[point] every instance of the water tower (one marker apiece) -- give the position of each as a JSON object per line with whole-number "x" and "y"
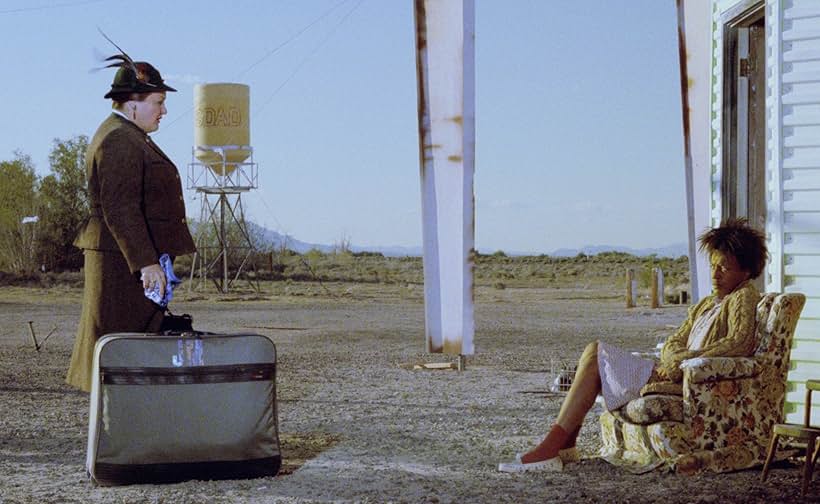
{"x": 221, "y": 170}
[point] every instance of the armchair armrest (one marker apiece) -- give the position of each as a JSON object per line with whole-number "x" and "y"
{"x": 703, "y": 369}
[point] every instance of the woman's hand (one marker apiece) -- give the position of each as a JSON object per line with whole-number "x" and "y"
{"x": 152, "y": 276}
{"x": 669, "y": 371}
{"x": 658, "y": 374}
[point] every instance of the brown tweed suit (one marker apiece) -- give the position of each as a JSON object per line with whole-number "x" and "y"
{"x": 137, "y": 213}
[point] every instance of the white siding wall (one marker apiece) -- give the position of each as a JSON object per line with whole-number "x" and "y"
{"x": 795, "y": 118}
{"x": 792, "y": 169}
{"x": 717, "y": 106}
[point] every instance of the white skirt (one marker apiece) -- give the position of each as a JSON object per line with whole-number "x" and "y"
{"x": 622, "y": 375}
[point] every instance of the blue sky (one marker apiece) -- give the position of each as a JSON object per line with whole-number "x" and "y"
{"x": 578, "y": 122}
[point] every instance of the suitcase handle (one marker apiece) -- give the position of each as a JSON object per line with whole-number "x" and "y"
{"x": 187, "y": 334}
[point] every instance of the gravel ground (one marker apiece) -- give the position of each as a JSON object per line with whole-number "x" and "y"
{"x": 359, "y": 424}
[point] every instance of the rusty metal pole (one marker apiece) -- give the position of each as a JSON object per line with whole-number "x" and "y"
{"x": 445, "y": 65}
{"x": 695, "y": 55}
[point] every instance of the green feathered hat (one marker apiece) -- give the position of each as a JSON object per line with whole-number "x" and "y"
{"x": 133, "y": 76}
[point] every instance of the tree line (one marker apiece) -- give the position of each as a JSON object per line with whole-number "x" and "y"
{"x": 40, "y": 216}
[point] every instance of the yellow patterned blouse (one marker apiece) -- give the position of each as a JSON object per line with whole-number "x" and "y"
{"x": 731, "y": 335}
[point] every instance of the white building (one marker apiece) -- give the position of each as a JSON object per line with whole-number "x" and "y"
{"x": 752, "y": 126}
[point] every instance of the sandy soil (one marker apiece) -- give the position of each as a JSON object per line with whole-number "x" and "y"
{"x": 358, "y": 423}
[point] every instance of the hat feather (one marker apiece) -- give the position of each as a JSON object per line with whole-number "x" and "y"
{"x": 140, "y": 76}
{"x": 125, "y": 59}
{"x": 122, "y": 56}
{"x": 123, "y": 62}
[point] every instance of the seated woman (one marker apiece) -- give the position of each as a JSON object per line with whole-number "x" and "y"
{"x": 720, "y": 325}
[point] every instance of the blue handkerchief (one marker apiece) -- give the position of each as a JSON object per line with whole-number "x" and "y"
{"x": 171, "y": 281}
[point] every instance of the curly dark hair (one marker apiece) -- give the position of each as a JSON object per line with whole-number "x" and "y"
{"x": 734, "y": 236}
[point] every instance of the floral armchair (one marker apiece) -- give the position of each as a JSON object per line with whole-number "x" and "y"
{"x": 724, "y": 419}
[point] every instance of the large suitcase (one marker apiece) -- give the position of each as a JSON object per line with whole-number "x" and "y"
{"x": 168, "y": 408}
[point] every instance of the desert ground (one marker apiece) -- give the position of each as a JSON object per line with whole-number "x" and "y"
{"x": 358, "y": 422}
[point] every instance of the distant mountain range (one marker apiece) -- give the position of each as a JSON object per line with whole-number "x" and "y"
{"x": 674, "y": 250}
{"x": 277, "y": 240}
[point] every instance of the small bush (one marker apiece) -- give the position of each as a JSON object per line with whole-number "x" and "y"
{"x": 365, "y": 253}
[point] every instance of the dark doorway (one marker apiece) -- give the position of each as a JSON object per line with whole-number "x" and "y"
{"x": 743, "y": 188}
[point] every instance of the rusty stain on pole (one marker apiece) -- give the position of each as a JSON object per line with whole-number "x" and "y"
{"x": 696, "y": 65}
{"x": 446, "y": 115}
{"x": 685, "y": 86}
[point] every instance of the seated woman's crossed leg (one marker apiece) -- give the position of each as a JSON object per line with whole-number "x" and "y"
{"x": 722, "y": 324}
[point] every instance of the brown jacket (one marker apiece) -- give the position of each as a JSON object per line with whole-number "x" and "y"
{"x": 137, "y": 212}
{"x": 135, "y": 194}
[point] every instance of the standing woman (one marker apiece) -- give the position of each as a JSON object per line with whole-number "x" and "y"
{"x": 137, "y": 214}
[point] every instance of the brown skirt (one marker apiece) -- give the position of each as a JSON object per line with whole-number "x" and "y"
{"x": 113, "y": 302}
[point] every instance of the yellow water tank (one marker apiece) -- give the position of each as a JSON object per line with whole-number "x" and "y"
{"x": 221, "y": 124}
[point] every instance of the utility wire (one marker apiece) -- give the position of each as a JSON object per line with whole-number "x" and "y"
{"x": 279, "y": 226}
{"x": 288, "y": 79}
{"x": 266, "y": 55}
{"x": 309, "y": 56}
{"x": 293, "y": 37}
{"x": 47, "y": 7}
